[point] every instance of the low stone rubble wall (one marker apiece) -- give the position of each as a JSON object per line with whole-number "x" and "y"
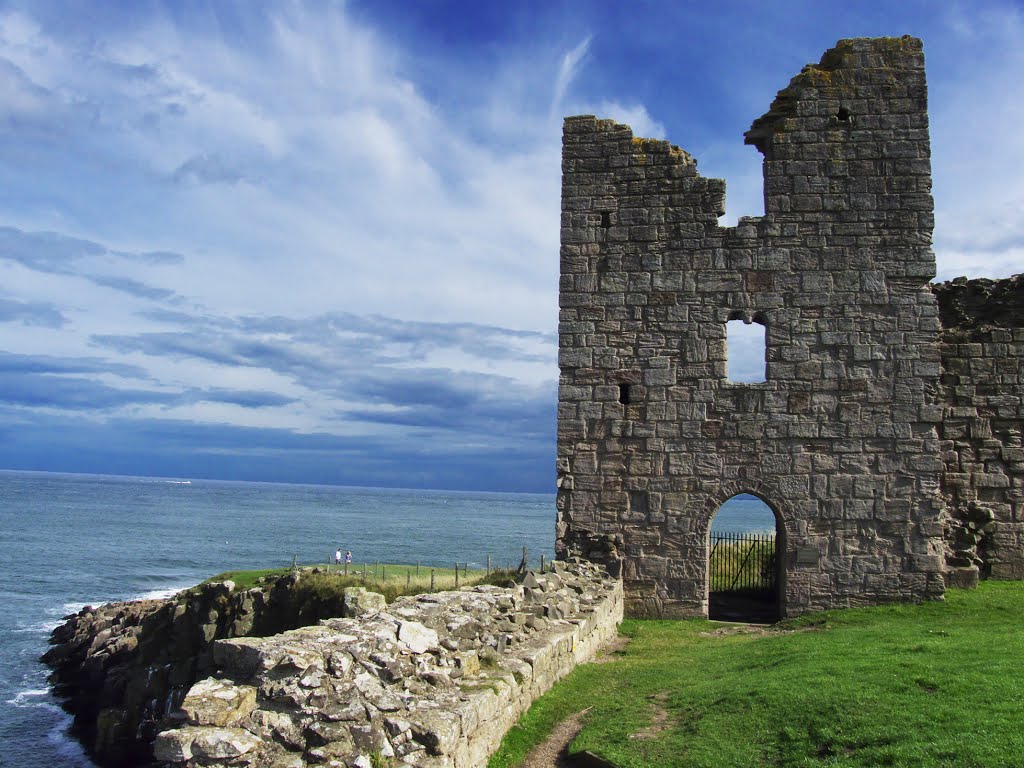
{"x": 121, "y": 668}
{"x": 432, "y": 680}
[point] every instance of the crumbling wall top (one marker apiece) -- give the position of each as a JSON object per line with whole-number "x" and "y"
{"x": 981, "y": 302}
{"x": 844, "y": 69}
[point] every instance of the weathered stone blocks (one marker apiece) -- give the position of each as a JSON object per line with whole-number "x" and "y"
{"x": 213, "y": 702}
{"x": 872, "y": 413}
{"x": 433, "y": 680}
{"x": 982, "y": 392}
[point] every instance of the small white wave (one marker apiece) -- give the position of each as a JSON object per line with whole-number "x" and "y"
{"x": 54, "y": 618}
{"x": 152, "y": 594}
{"x": 21, "y": 695}
{"x": 160, "y": 594}
{"x": 48, "y": 712}
{"x": 67, "y": 747}
{"x": 33, "y": 697}
{"x": 37, "y": 628}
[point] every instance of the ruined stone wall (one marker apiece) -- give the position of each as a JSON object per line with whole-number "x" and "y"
{"x": 982, "y": 390}
{"x": 122, "y": 668}
{"x": 841, "y": 440}
{"x": 432, "y": 681}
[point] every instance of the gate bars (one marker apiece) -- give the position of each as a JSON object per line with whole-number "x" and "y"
{"x": 742, "y": 562}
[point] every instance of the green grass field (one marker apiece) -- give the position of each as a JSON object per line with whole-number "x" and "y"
{"x": 389, "y": 579}
{"x": 938, "y": 684}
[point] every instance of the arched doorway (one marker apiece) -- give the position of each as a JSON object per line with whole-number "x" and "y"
{"x": 744, "y": 577}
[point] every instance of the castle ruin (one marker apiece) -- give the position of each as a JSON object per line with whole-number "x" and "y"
{"x": 886, "y": 436}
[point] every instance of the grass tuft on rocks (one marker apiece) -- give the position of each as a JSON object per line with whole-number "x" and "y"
{"x": 940, "y": 683}
{"x": 249, "y": 579}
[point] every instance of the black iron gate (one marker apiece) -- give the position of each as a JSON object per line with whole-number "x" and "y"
{"x": 742, "y": 562}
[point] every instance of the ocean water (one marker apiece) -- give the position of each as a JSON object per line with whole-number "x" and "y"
{"x": 742, "y": 514}
{"x": 67, "y": 541}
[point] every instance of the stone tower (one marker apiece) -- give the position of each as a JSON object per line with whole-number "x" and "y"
{"x": 841, "y": 439}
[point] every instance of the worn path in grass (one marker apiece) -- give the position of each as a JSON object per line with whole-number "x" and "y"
{"x": 939, "y": 684}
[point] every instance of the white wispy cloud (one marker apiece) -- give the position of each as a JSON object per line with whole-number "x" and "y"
{"x": 977, "y": 145}
{"x": 567, "y": 71}
{"x": 237, "y": 220}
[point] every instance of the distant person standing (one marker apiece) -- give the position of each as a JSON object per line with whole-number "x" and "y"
{"x": 337, "y": 556}
{"x": 348, "y": 559}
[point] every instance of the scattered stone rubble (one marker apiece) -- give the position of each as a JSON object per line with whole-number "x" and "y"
{"x": 432, "y": 680}
{"x": 123, "y": 667}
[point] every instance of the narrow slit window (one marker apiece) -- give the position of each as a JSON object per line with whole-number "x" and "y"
{"x": 746, "y": 361}
{"x": 624, "y": 394}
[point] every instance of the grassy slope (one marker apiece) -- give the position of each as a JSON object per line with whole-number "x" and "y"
{"x": 397, "y": 579}
{"x": 909, "y": 685}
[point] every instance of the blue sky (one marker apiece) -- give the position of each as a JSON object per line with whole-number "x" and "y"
{"x": 318, "y": 242}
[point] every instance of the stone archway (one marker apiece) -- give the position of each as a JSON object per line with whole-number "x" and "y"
{"x": 744, "y": 567}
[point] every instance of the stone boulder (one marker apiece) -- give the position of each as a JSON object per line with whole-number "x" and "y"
{"x": 204, "y": 744}
{"x": 416, "y": 637}
{"x": 218, "y": 703}
{"x": 357, "y": 601}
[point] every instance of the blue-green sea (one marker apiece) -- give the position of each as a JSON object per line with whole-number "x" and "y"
{"x": 71, "y": 540}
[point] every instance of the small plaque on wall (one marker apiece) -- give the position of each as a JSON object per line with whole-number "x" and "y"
{"x": 806, "y": 556}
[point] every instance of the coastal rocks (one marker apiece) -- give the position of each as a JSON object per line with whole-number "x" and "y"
{"x": 359, "y": 602}
{"x": 432, "y": 680}
{"x": 122, "y": 668}
{"x": 214, "y": 702}
{"x": 416, "y": 637}
{"x": 95, "y": 664}
{"x": 220, "y": 744}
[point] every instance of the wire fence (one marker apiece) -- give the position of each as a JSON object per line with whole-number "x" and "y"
{"x": 425, "y": 574}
